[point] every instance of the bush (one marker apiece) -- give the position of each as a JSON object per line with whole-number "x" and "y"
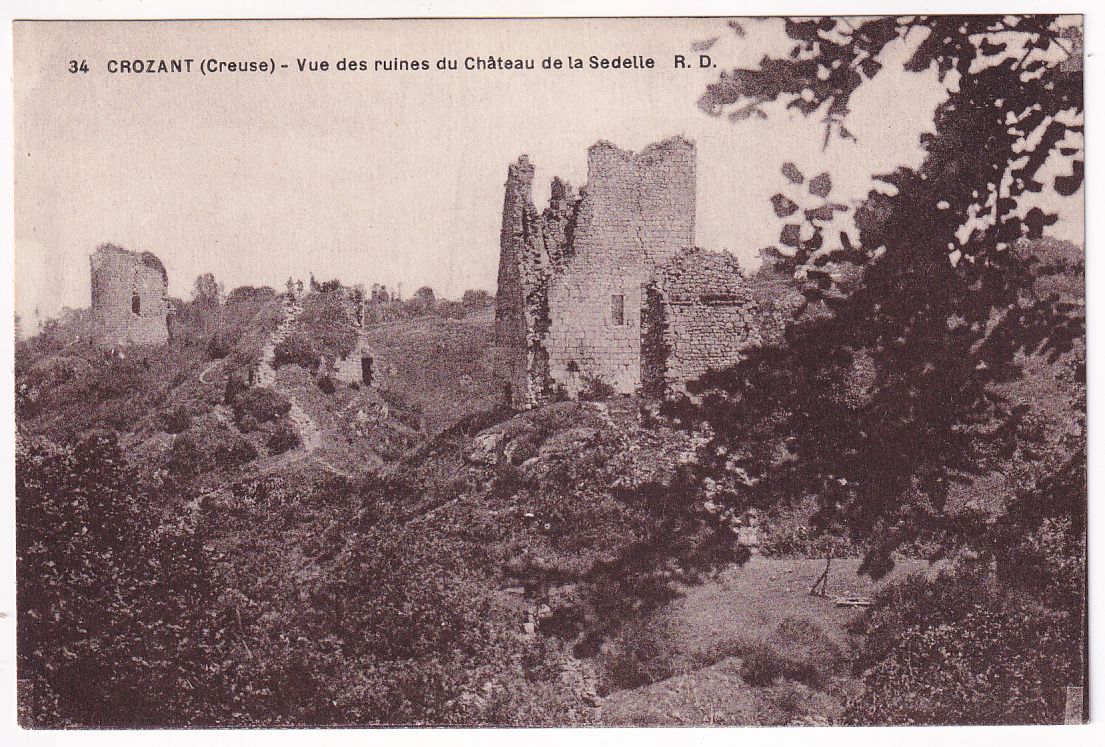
{"x": 193, "y": 452}
{"x": 250, "y": 294}
{"x": 451, "y": 310}
{"x": 217, "y": 347}
{"x": 96, "y": 605}
{"x": 958, "y": 649}
{"x": 798, "y": 650}
{"x": 234, "y": 387}
{"x": 596, "y": 389}
{"x": 478, "y": 299}
{"x": 284, "y": 437}
{"x": 761, "y": 666}
{"x": 326, "y": 384}
{"x": 644, "y": 653}
{"x": 296, "y": 349}
{"x": 259, "y": 405}
{"x": 177, "y": 420}
{"x": 327, "y": 324}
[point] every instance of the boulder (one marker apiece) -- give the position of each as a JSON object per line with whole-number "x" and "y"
{"x": 485, "y": 449}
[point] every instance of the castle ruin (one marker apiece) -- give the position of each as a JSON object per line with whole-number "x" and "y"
{"x": 607, "y": 286}
{"x": 129, "y": 305}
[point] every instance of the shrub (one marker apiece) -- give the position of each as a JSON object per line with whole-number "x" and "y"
{"x": 326, "y": 323}
{"x": 477, "y": 298}
{"x": 761, "y": 666}
{"x": 797, "y": 650}
{"x": 259, "y": 405}
{"x": 645, "y": 652}
{"x": 451, "y": 310}
{"x": 284, "y": 437}
{"x": 595, "y": 389}
{"x": 296, "y": 349}
{"x": 958, "y": 649}
{"x": 234, "y": 387}
{"x": 247, "y": 423}
{"x": 217, "y": 347}
{"x": 89, "y": 601}
{"x": 235, "y": 453}
{"x": 195, "y": 452}
{"x": 250, "y": 294}
{"x": 326, "y": 384}
{"x": 177, "y": 420}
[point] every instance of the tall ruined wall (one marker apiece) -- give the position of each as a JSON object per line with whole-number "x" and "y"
{"x": 510, "y": 320}
{"x": 636, "y": 214}
{"x": 707, "y": 318}
{"x": 521, "y": 310}
{"x": 129, "y": 304}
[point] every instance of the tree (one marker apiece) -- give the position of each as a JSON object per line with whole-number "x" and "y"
{"x": 206, "y": 291}
{"x": 477, "y": 298}
{"x": 423, "y": 301}
{"x": 114, "y": 598}
{"x": 883, "y": 394}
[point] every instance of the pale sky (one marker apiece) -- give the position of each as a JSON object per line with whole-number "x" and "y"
{"x": 391, "y": 177}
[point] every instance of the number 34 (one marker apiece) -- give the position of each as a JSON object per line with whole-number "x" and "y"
{"x": 78, "y": 67}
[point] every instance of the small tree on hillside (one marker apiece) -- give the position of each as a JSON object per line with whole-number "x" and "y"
{"x": 477, "y": 298}
{"x": 206, "y": 291}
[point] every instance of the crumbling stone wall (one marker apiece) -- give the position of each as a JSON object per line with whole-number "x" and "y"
{"x": 636, "y": 214}
{"x": 709, "y": 317}
{"x": 129, "y": 305}
{"x": 531, "y": 245}
{"x": 607, "y": 286}
{"x": 350, "y": 369}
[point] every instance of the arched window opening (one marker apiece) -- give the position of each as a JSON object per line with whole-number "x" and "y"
{"x": 135, "y": 304}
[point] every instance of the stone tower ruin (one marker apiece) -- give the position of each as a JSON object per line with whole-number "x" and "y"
{"x": 129, "y": 304}
{"x": 608, "y": 286}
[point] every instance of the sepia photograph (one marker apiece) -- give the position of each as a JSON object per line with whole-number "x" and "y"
{"x": 550, "y": 372}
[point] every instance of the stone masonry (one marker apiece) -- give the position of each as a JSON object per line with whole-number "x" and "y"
{"x": 129, "y": 305}
{"x": 608, "y": 287}
{"x": 707, "y": 318}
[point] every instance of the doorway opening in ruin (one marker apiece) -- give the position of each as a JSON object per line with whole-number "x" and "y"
{"x": 366, "y": 370}
{"x": 135, "y": 304}
{"x": 617, "y": 309}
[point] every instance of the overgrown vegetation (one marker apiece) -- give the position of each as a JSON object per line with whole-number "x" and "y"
{"x": 257, "y": 405}
{"x": 937, "y": 355}
{"x": 296, "y": 349}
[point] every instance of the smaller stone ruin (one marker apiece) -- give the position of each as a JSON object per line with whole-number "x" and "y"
{"x": 358, "y": 367}
{"x": 129, "y": 304}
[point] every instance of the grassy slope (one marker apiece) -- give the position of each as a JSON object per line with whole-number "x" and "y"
{"x": 440, "y": 367}
{"x": 704, "y": 635}
{"x": 79, "y": 388}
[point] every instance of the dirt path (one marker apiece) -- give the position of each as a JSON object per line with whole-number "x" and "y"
{"x": 311, "y": 437}
{"x": 266, "y": 372}
{"x": 208, "y": 369}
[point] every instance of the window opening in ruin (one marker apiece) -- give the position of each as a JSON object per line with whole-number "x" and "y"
{"x": 617, "y": 309}
{"x": 366, "y": 370}
{"x": 135, "y": 304}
